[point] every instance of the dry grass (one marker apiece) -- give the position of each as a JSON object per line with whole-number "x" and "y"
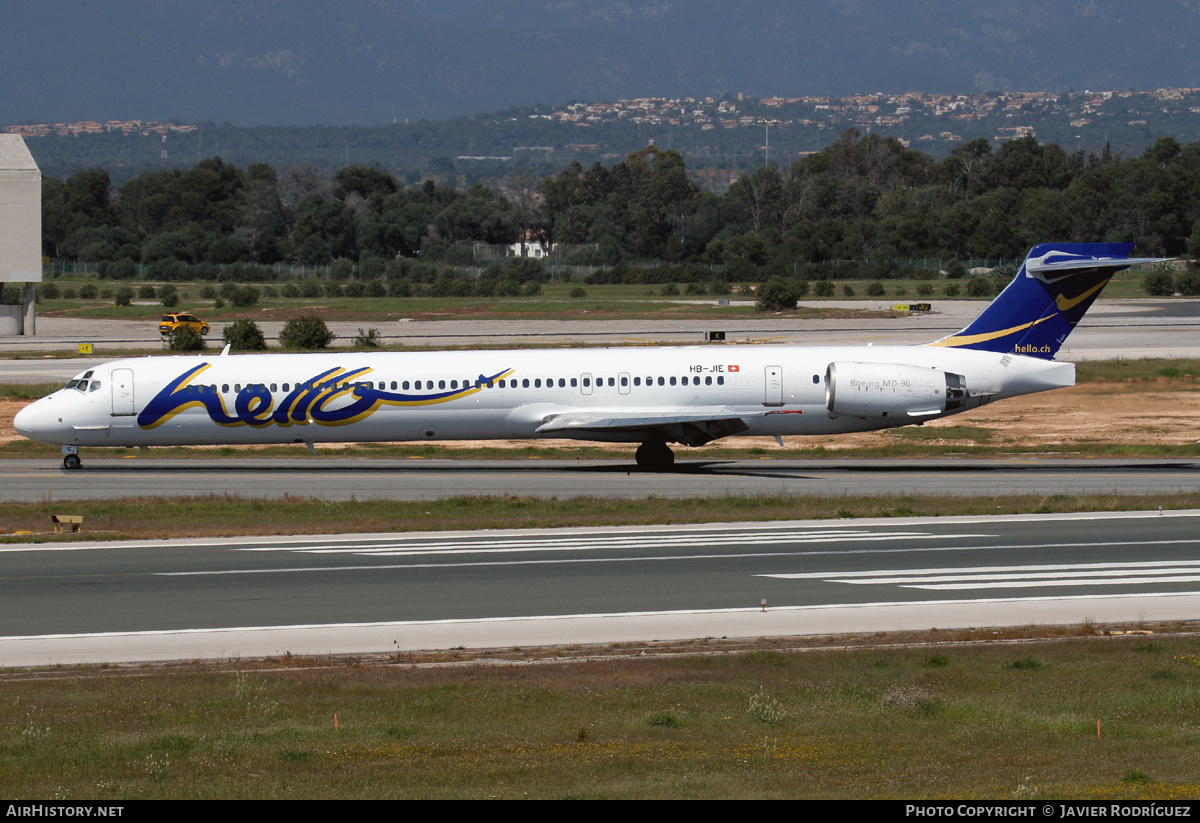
{"x": 876, "y": 717}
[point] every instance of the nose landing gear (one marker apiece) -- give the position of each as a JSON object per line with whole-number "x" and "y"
{"x": 71, "y": 459}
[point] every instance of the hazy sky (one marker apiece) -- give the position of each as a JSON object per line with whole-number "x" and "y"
{"x": 253, "y": 62}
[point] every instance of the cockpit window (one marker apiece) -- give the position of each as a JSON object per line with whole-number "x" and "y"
{"x": 80, "y": 383}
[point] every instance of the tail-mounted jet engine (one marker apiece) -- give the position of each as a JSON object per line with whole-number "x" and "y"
{"x": 891, "y": 390}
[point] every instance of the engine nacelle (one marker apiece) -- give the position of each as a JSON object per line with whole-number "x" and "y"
{"x": 891, "y": 390}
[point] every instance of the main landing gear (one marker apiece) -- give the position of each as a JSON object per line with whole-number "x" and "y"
{"x": 655, "y": 457}
{"x": 71, "y": 459}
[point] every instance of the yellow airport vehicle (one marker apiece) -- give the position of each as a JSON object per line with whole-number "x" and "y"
{"x": 176, "y": 320}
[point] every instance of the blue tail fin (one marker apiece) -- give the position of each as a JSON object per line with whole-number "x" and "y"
{"x": 1055, "y": 286}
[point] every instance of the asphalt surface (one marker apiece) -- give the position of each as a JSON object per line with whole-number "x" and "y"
{"x": 330, "y": 478}
{"x": 316, "y": 595}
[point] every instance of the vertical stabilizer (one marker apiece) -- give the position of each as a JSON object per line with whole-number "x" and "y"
{"x": 1053, "y": 289}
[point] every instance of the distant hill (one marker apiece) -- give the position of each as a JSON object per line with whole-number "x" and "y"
{"x": 303, "y": 62}
{"x": 720, "y": 138}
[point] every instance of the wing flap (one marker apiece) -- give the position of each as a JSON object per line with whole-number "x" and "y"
{"x": 692, "y": 428}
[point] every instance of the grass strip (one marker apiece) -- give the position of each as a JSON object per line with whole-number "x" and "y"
{"x": 1095, "y": 717}
{"x": 220, "y": 515}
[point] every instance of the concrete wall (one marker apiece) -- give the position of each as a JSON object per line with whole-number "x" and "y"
{"x": 20, "y": 213}
{"x": 12, "y": 319}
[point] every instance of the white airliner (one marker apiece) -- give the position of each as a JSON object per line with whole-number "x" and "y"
{"x": 654, "y": 396}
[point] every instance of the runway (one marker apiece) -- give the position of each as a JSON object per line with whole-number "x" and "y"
{"x": 330, "y": 478}
{"x": 158, "y": 600}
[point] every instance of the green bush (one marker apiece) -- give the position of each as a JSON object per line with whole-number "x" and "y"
{"x": 1188, "y": 282}
{"x": 123, "y": 269}
{"x": 123, "y": 297}
{"x": 578, "y": 291}
{"x": 88, "y": 292}
{"x": 146, "y": 292}
{"x": 777, "y": 294}
{"x": 980, "y": 287}
{"x": 1158, "y": 284}
{"x": 243, "y": 296}
{"x": 244, "y": 335}
{"x": 169, "y": 296}
{"x": 305, "y": 332}
{"x": 368, "y": 339}
{"x": 875, "y": 289}
{"x": 823, "y": 288}
{"x": 185, "y": 339}
{"x": 952, "y": 290}
{"x": 47, "y": 291}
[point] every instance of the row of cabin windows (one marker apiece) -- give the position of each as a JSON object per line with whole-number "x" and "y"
{"x": 524, "y": 383}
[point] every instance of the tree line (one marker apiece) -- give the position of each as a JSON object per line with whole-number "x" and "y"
{"x": 861, "y": 198}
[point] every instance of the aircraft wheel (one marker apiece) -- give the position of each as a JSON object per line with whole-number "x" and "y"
{"x": 655, "y": 457}
{"x": 72, "y": 461}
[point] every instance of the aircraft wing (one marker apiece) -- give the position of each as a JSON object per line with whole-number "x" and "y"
{"x": 693, "y": 427}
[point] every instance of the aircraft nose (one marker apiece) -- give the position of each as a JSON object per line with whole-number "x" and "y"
{"x": 39, "y": 421}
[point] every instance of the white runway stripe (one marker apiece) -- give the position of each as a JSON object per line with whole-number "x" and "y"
{"x": 1015, "y": 577}
{"x": 583, "y": 544}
